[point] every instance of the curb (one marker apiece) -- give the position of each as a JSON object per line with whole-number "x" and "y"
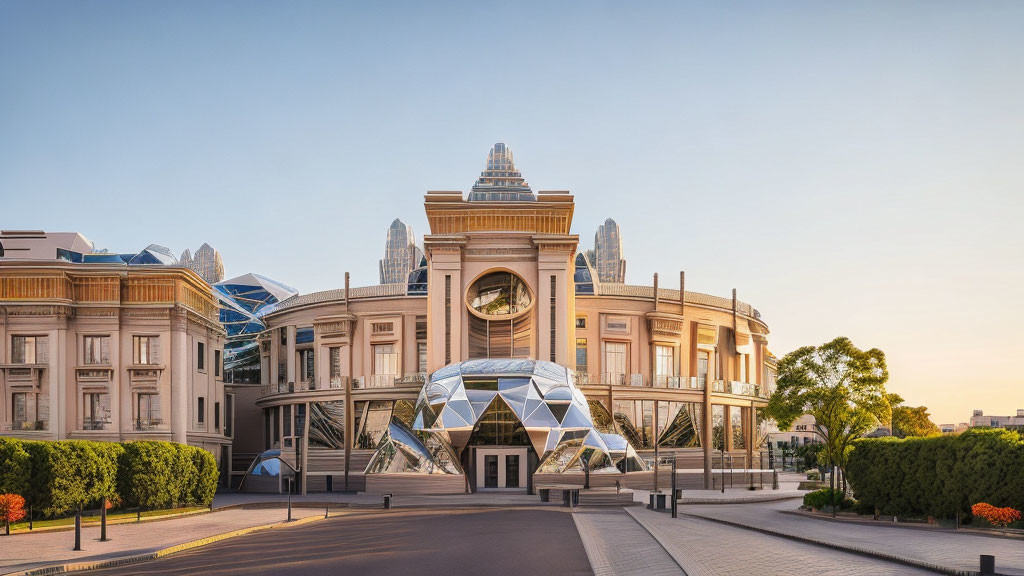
{"x": 687, "y": 501}
{"x": 850, "y": 549}
{"x": 96, "y": 523}
{"x": 70, "y": 567}
{"x": 906, "y": 525}
{"x": 679, "y": 560}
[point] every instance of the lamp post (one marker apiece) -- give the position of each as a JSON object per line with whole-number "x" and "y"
{"x": 675, "y": 501}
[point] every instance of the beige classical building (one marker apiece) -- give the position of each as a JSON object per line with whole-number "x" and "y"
{"x": 111, "y": 352}
{"x": 672, "y": 371}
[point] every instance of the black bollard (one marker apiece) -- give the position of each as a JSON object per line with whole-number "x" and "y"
{"x": 78, "y": 530}
{"x": 988, "y": 564}
{"x": 30, "y": 517}
{"x": 103, "y": 521}
{"x": 289, "y": 499}
{"x": 327, "y": 510}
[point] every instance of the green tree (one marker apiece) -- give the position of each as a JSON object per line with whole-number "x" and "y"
{"x": 912, "y": 421}
{"x": 841, "y": 386}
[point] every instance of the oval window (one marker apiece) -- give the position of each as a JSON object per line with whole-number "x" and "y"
{"x": 498, "y": 294}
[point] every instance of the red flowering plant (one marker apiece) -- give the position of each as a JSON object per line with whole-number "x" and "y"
{"x": 12, "y": 509}
{"x": 998, "y": 517}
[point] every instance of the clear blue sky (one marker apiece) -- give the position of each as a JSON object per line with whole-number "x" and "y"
{"x": 852, "y": 168}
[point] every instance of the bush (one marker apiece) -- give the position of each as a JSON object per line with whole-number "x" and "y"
{"x": 15, "y": 469}
{"x": 938, "y": 476}
{"x": 161, "y": 475}
{"x": 998, "y": 517}
{"x": 821, "y": 499}
{"x": 58, "y": 477}
{"x": 71, "y": 473}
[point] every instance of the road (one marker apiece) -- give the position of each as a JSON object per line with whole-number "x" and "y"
{"x": 451, "y": 542}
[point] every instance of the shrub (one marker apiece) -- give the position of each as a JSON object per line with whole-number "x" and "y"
{"x": 71, "y": 473}
{"x": 12, "y": 509}
{"x": 15, "y": 469}
{"x": 999, "y": 517}
{"x": 160, "y": 475}
{"x": 820, "y": 499}
{"x": 938, "y": 476}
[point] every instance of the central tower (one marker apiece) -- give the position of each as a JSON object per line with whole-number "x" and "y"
{"x": 500, "y": 270}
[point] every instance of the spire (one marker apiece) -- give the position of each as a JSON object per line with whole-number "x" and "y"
{"x": 501, "y": 182}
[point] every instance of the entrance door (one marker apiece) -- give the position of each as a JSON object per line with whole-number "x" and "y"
{"x": 512, "y": 471}
{"x": 491, "y": 471}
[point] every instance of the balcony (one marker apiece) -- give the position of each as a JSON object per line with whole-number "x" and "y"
{"x": 744, "y": 389}
{"x": 91, "y": 424}
{"x": 148, "y": 424}
{"x": 25, "y": 426}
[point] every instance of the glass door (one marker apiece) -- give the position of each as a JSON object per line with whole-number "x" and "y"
{"x": 511, "y": 471}
{"x": 491, "y": 471}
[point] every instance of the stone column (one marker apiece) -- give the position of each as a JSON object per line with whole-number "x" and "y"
{"x": 291, "y": 354}
{"x": 178, "y": 365}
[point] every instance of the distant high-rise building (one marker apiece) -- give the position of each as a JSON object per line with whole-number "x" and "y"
{"x": 401, "y": 254}
{"x": 611, "y": 266}
{"x": 186, "y": 259}
{"x": 207, "y": 263}
{"x": 501, "y": 182}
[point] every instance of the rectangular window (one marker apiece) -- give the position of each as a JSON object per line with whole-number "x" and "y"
{"x": 703, "y": 359}
{"x": 615, "y": 365}
{"x": 19, "y": 410}
{"x": 96, "y": 349}
{"x": 447, "y": 319}
{"x": 216, "y": 415}
{"x": 581, "y": 322}
{"x": 29, "y": 349}
{"x": 146, "y": 349}
{"x": 581, "y": 355}
{"x": 335, "y": 352}
{"x": 718, "y": 427}
{"x": 307, "y": 366}
{"x": 147, "y": 412}
{"x": 95, "y": 411}
{"x": 739, "y": 427}
{"x": 218, "y": 363}
{"x": 201, "y": 410}
{"x": 664, "y": 364}
{"x": 229, "y": 415}
{"x": 201, "y": 356}
{"x": 421, "y": 357}
{"x": 617, "y": 325}
{"x": 382, "y": 328}
{"x": 554, "y": 327}
{"x": 385, "y": 360}
{"x": 288, "y": 420}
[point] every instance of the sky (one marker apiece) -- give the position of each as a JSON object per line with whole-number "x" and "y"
{"x": 850, "y": 168}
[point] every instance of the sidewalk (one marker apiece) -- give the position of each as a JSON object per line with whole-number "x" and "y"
{"x": 27, "y": 550}
{"x": 947, "y": 549}
{"x": 704, "y": 548}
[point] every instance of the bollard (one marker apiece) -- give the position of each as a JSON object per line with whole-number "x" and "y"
{"x": 30, "y": 517}
{"x": 138, "y": 514}
{"x": 289, "y": 500}
{"x": 387, "y": 501}
{"x": 103, "y": 521}
{"x": 78, "y": 530}
{"x": 988, "y": 564}
{"x": 327, "y": 509}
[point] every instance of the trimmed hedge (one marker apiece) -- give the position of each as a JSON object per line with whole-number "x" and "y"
{"x": 938, "y": 476}
{"x": 821, "y": 499}
{"x": 57, "y": 477}
{"x": 15, "y": 467}
{"x": 161, "y": 475}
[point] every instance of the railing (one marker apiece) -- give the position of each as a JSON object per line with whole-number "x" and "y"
{"x": 380, "y": 381}
{"x": 663, "y": 381}
{"x": 89, "y": 424}
{"x": 718, "y": 386}
{"x": 145, "y": 424}
{"x": 698, "y": 382}
{"x": 24, "y": 426}
{"x": 412, "y": 379}
{"x": 744, "y": 389}
{"x": 582, "y": 378}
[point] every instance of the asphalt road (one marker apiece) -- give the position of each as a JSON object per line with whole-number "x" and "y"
{"x": 451, "y": 542}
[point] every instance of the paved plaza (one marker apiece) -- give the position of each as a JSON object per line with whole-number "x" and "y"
{"x": 451, "y": 535}
{"x": 453, "y": 542}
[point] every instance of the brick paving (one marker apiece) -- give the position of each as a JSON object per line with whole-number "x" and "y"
{"x": 617, "y": 544}
{"x": 705, "y": 548}
{"x": 945, "y": 548}
{"x": 27, "y": 550}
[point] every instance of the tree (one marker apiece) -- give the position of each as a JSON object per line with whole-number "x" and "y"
{"x": 12, "y": 509}
{"x": 842, "y": 386}
{"x": 911, "y": 421}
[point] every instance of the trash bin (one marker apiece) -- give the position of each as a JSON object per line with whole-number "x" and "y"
{"x": 387, "y": 501}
